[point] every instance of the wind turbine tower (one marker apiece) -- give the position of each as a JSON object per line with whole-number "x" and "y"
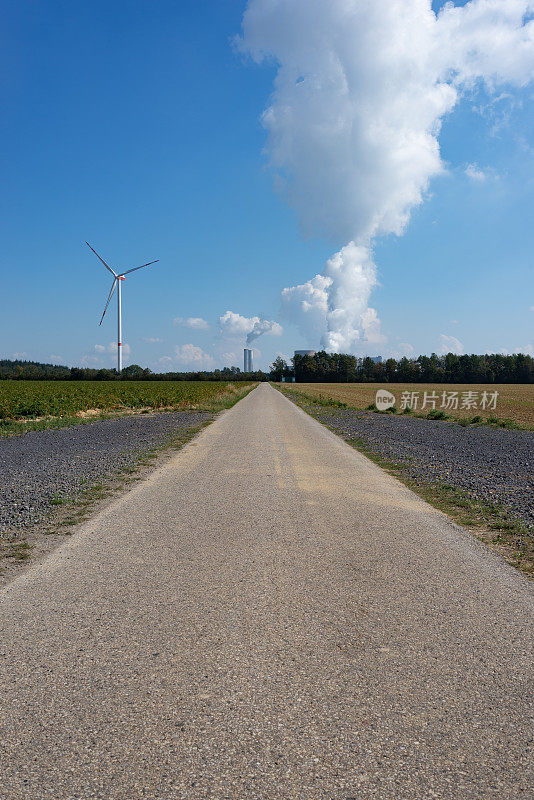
{"x": 117, "y": 278}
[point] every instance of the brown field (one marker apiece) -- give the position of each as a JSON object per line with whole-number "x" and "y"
{"x": 514, "y": 402}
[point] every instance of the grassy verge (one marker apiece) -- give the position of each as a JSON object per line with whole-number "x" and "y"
{"x": 16, "y": 547}
{"x": 435, "y": 414}
{"x": 491, "y": 523}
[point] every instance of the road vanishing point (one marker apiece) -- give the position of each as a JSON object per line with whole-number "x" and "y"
{"x": 268, "y": 616}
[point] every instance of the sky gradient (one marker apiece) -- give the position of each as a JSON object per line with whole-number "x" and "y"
{"x": 136, "y": 126}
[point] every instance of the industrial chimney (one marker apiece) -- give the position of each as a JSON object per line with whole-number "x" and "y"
{"x": 247, "y": 360}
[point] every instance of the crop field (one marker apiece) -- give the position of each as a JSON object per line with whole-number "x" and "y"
{"x": 27, "y": 400}
{"x": 513, "y": 402}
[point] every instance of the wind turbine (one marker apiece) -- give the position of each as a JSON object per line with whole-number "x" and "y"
{"x": 117, "y": 278}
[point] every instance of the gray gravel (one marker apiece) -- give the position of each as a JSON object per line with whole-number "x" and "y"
{"x": 494, "y": 464}
{"x": 269, "y": 616}
{"x": 40, "y": 465}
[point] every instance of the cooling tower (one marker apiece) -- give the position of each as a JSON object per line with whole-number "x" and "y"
{"x": 247, "y": 360}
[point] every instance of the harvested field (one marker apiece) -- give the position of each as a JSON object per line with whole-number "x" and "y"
{"x": 514, "y": 402}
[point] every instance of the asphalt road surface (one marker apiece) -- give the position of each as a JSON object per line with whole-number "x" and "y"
{"x": 267, "y": 616}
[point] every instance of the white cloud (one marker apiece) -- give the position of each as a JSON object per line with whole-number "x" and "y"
{"x": 194, "y": 357}
{"x": 151, "y": 339}
{"x": 531, "y": 308}
{"x": 56, "y": 359}
{"x": 307, "y": 306}
{"x": 489, "y": 40}
{"x": 262, "y": 326}
{"x": 474, "y": 173}
{"x": 371, "y": 327}
{"x": 90, "y": 361}
{"x": 354, "y": 120}
{"x": 112, "y": 348}
{"x": 109, "y": 353}
{"x": 333, "y": 307}
{"x": 450, "y": 344}
{"x": 355, "y": 108}
{"x": 235, "y": 325}
{"x": 526, "y": 349}
{"x": 196, "y": 323}
{"x": 400, "y": 350}
{"x": 20, "y": 356}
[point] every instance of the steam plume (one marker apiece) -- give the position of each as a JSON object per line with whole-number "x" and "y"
{"x": 263, "y": 326}
{"x": 354, "y": 120}
{"x": 235, "y": 325}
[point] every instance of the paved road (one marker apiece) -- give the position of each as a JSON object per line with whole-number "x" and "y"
{"x": 268, "y": 616}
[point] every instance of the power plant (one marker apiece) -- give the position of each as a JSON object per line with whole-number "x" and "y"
{"x": 247, "y": 360}
{"x": 304, "y": 352}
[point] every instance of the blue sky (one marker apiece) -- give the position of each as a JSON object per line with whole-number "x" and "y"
{"x": 137, "y": 126}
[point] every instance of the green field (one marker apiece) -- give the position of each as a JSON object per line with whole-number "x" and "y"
{"x": 31, "y": 400}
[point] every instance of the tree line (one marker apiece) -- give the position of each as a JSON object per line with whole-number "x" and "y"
{"x": 36, "y": 371}
{"x": 450, "y": 368}
{"x": 322, "y": 367}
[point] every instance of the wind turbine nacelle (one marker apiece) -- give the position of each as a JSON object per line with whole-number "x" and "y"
{"x": 116, "y": 283}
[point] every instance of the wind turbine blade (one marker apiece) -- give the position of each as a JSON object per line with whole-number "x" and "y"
{"x": 101, "y": 259}
{"x": 141, "y": 267}
{"x": 109, "y": 298}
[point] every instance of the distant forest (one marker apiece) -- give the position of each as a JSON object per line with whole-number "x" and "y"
{"x": 35, "y": 371}
{"x": 449, "y": 368}
{"x": 322, "y": 367}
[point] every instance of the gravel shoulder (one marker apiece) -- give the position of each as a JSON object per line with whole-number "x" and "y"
{"x": 492, "y": 466}
{"x": 47, "y": 475}
{"x": 496, "y": 464}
